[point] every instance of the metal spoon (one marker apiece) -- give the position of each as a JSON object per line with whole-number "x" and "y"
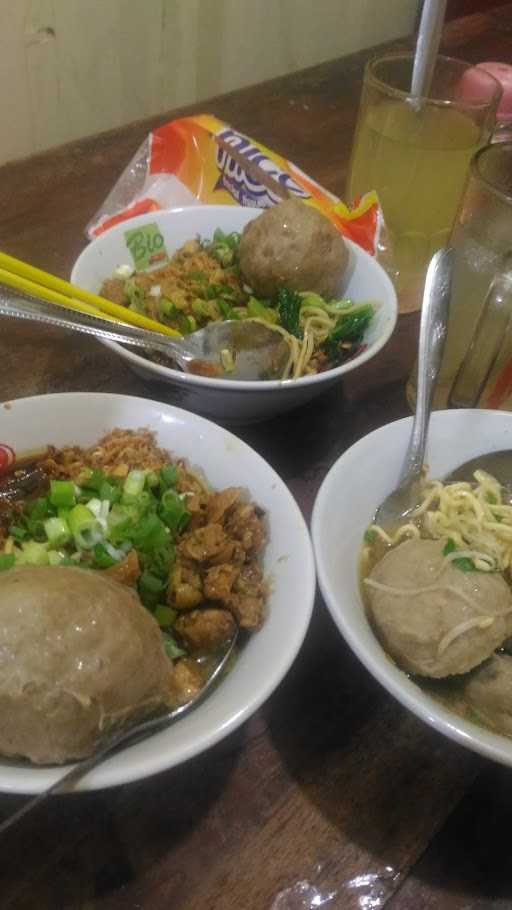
{"x": 113, "y": 739}
{"x": 256, "y": 352}
{"x": 499, "y": 464}
{"x": 434, "y": 317}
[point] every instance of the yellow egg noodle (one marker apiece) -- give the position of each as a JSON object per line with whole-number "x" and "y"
{"x": 316, "y": 324}
{"x": 472, "y": 515}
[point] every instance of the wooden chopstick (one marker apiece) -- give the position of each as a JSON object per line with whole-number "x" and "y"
{"x": 29, "y": 279}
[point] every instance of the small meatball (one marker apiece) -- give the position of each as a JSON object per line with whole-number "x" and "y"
{"x": 203, "y": 544}
{"x": 245, "y": 525}
{"x": 219, "y": 581}
{"x": 205, "y": 631}
{"x": 221, "y": 502}
{"x": 489, "y": 692}
{"x": 292, "y": 245}
{"x": 434, "y": 619}
{"x": 187, "y": 680}
{"x": 113, "y": 289}
{"x": 126, "y": 572}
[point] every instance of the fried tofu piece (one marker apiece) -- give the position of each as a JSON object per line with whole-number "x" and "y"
{"x": 204, "y": 544}
{"x": 247, "y": 600}
{"x": 205, "y": 631}
{"x": 245, "y": 524}
{"x": 219, "y": 581}
{"x": 186, "y": 681}
{"x": 126, "y": 572}
{"x": 221, "y": 502}
{"x": 185, "y": 589}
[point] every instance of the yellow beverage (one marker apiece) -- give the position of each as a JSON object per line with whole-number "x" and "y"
{"x": 417, "y": 160}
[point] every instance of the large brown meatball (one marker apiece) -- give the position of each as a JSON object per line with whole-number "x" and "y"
{"x": 489, "y": 692}
{"x": 292, "y": 245}
{"x": 78, "y": 652}
{"x": 433, "y": 618}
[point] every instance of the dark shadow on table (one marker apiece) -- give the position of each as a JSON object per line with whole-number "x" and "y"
{"x": 81, "y": 848}
{"x": 470, "y": 857}
{"x": 328, "y": 720}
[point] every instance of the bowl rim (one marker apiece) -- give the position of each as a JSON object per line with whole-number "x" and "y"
{"x": 237, "y": 385}
{"x": 38, "y": 778}
{"x": 482, "y": 740}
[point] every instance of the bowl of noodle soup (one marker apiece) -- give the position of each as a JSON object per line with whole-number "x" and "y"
{"x": 470, "y": 527}
{"x": 233, "y": 401}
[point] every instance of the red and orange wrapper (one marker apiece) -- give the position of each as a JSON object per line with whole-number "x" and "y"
{"x": 201, "y": 160}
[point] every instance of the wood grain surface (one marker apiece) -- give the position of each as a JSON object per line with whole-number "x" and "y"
{"x": 332, "y": 795}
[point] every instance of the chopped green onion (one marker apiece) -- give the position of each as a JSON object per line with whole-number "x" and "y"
{"x": 151, "y": 584}
{"x": 84, "y": 527}
{"x": 101, "y": 557}
{"x": 36, "y": 529}
{"x": 173, "y": 512}
{"x": 172, "y": 648}
{"x": 7, "y": 561}
{"x": 168, "y": 476}
{"x": 84, "y": 477}
{"x": 164, "y": 615}
{"x": 258, "y": 310}
{"x": 57, "y": 558}
{"x": 109, "y": 491}
{"x": 100, "y": 510}
{"x": 57, "y": 532}
{"x": 39, "y": 509}
{"x": 135, "y": 295}
{"x": 166, "y": 307}
{"x": 227, "y": 360}
{"x": 119, "y": 524}
{"x": 134, "y": 484}
{"x": 62, "y": 493}
{"x": 33, "y": 554}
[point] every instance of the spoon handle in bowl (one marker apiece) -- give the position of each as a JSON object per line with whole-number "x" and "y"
{"x": 434, "y": 319}
{"x": 31, "y": 308}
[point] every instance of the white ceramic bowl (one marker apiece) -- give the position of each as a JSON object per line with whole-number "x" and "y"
{"x": 353, "y": 489}
{"x": 231, "y": 401}
{"x": 288, "y": 563}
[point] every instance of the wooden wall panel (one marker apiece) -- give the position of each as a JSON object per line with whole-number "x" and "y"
{"x": 69, "y": 68}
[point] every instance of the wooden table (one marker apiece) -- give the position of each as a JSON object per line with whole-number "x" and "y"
{"x": 332, "y": 784}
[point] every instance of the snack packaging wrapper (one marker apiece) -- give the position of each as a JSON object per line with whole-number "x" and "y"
{"x": 198, "y": 160}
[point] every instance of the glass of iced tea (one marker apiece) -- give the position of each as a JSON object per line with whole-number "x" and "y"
{"x": 477, "y": 360}
{"x": 415, "y": 153}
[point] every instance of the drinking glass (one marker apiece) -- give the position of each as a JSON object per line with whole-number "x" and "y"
{"x": 415, "y": 153}
{"x": 477, "y": 360}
